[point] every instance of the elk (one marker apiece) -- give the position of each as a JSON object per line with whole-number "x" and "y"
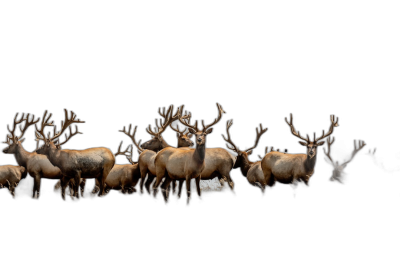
{"x": 185, "y": 163}
{"x": 291, "y": 168}
{"x": 149, "y": 149}
{"x": 122, "y": 177}
{"x": 338, "y": 169}
{"x": 251, "y": 170}
{"x": 10, "y": 176}
{"x": 76, "y": 164}
{"x": 38, "y": 166}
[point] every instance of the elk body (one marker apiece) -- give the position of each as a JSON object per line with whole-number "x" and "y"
{"x": 290, "y": 168}
{"x": 251, "y": 170}
{"x": 38, "y": 166}
{"x": 10, "y": 176}
{"x": 76, "y": 164}
{"x": 184, "y": 163}
{"x": 149, "y": 149}
{"x": 338, "y": 169}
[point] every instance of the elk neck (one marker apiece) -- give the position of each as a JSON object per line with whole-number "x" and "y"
{"x": 309, "y": 164}
{"x": 54, "y": 157}
{"x": 164, "y": 145}
{"x": 22, "y": 156}
{"x": 199, "y": 153}
{"x": 245, "y": 165}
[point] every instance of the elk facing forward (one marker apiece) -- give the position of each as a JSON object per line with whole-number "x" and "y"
{"x": 77, "y": 164}
{"x": 289, "y": 168}
{"x": 184, "y": 163}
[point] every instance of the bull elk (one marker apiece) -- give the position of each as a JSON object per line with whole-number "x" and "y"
{"x": 290, "y": 168}
{"x": 10, "y": 176}
{"x": 338, "y": 169}
{"x": 149, "y": 149}
{"x": 76, "y": 164}
{"x": 185, "y": 163}
{"x": 38, "y": 166}
{"x": 251, "y": 170}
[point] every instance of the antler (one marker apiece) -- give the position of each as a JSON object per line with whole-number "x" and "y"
{"x": 187, "y": 116}
{"x": 11, "y": 136}
{"x": 372, "y": 152}
{"x": 361, "y": 144}
{"x": 258, "y": 136}
{"x": 128, "y": 133}
{"x": 127, "y": 153}
{"x": 295, "y": 133}
{"x": 168, "y": 119}
{"x": 45, "y": 122}
{"x": 67, "y": 123}
{"x": 71, "y": 134}
{"x": 204, "y": 127}
{"x": 328, "y": 152}
{"x": 232, "y": 146}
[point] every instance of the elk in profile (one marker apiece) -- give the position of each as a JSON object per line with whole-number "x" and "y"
{"x": 251, "y": 170}
{"x": 290, "y": 168}
{"x": 38, "y": 166}
{"x": 149, "y": 149}
{"x": 184, "y": 163}
{"x": 338, "y": 169}
{"x": 122, "y": 177}
{"x": 76, "y": 164}
{"x": 10, "y": 176}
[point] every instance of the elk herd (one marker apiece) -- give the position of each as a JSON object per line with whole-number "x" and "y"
{"x": 158, "y": 163}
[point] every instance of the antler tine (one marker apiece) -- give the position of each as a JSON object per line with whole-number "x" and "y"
{"x": 177, "y": 129}
{"x": 294, "y": 132}
{"x": 8, "y": 140}
{"x": 15, "y": 123}
{"x": 334, "y": 123}
{"x": 128, "y": 133}
{"x": 45, "y": 122}
{"x": 258, "y": 136}
{"x": 229, "y": 141}
{"x": 220, "y": 111}
{"x": 186, "y": 122}
{"x": 361, "y": 145}
{"x": 28, "y": 124}
{"x": 266, "y": 149}
{"x": 67, "y": 138}
{"x": 328, "y": 152}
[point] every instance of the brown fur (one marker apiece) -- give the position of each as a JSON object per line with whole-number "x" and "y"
{"x": 10, "y": 176}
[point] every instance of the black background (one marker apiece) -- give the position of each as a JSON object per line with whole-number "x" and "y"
{"x": 113, "y": 75}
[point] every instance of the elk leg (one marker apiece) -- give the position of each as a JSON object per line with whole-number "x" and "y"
{"x": 12, "y": 189}
{"x": 36, "y": 186}
{"x": 96, "y": 187}
{"x": 173, "y": 186}
{"x": 64, "y": 182}
{"x": 155, "y": 186}
{"x": 149, "y": 180}
{"x": 180, "y": 188}
{"x": 188, "y": 188}
{"x": 164, "y": 188}
{"x": 229, "y": 180}
{"x": 198, "y": 186}
{"x": 57, "y": 186}
{"x": 143, "y": 173}
{"x": 82, "y": 185}
{"x": 77, "y": 179}
{"x": 102, "y": 180}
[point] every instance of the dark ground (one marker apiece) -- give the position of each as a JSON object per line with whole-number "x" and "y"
{"x": 110, "y": 86}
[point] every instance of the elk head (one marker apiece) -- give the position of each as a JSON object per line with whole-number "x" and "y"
{"x": 52, "y": 143}
{"x": 339, "y": 168}
{"x": 242, "y": 156}
{"x": 14, "y": 141}
{"x": 207, "y": 129}
{"x": 183, "y": 136}
{"x": 312, "y": 145}
{"x": 157, "y": 143}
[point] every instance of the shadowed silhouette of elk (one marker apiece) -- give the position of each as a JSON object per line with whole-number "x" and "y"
{"x": 184, "y": 163}
{"x": 338, "y": 169}
{"x": 38, "y": 166}
{"x": 291, "y": 168}
{"x": 76, "y": 164}
{"x": 251, "y": 170}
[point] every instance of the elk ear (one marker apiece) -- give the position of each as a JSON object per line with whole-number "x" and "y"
{"x": 320, "y": 143}
{"x": 191, "y": 130}
{"x": 189, "y": 135}
{"x": 22, "y": 140}
{"x": 209, "y": 131}
{"x": 303, "y": 143}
